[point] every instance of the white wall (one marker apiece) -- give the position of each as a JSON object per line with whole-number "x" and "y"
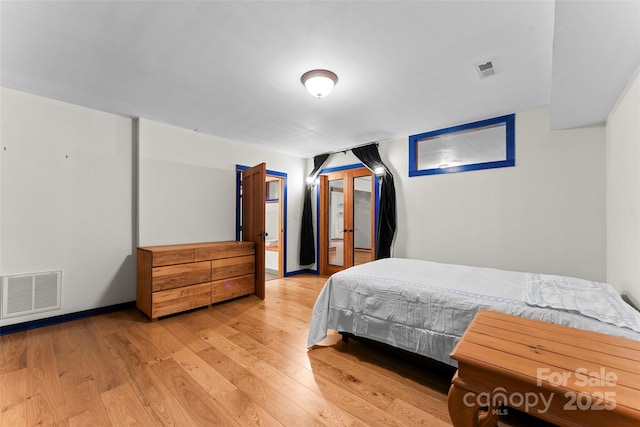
{"x": 623, "y": 192}
{"x": 187, "y": 186}
{"x": 67, "y": 199}
{"x": 544, "y": 215}
{"x": 271, "y": 261}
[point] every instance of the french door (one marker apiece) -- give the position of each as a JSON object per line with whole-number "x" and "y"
{"x": 347, "y": 219}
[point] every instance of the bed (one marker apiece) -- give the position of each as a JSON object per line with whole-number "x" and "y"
{"x": 424, "y": 307}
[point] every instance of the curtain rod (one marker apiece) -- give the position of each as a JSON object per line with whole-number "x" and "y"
{"x": 377, "y": 144}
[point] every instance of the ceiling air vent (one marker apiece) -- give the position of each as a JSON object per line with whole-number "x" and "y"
{"x": 485, "y": 70}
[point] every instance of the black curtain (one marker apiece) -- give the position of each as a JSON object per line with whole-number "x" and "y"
{"x": 307, "y": 242}
{"x": 370, "y": 157}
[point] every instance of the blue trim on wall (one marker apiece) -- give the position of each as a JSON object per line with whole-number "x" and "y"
{"x": 508, "y": 121}
{"x": 341, "y": 168}
{"x": 50, "y": 321}
{"x": 299, "y": 272}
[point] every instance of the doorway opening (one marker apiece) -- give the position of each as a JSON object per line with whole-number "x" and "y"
{"x": 274, "y": 228}
{"x": 275, "y": 204}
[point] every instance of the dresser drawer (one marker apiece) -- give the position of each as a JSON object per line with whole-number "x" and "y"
{"x": 240, "y": 249}
{"x": 180, "y": 299}
{"x": 174, "y": 276}
{"x": 210, "y": 252}
{"x": 231, "y": 288}
{"x": 232, "y": 267}
{"x": 174, "y": 256}
{"x": 223, "y": 250}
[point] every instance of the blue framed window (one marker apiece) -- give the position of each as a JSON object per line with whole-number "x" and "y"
{"x": 484, "y": 144}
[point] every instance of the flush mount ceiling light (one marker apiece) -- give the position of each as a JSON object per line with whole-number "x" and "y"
{"x": 319, "y": 82}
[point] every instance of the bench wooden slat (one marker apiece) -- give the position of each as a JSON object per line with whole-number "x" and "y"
{"x": 530, "y": 356}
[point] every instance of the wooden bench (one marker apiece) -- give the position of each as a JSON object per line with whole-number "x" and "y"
{"x": 564, "y": 375}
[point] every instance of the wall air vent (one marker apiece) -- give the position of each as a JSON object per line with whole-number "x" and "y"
{"x": 485, "y": 70}
{"x": 24, "y": 294}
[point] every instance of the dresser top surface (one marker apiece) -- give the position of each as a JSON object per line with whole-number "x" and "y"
{"x": 183, "y": 246}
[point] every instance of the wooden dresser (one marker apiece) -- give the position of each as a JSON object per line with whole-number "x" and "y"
{"x": 174, "y": 278}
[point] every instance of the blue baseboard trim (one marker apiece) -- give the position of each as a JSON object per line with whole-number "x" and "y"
{"x": 50, "y": 321}
{"x": 298, "y": 272}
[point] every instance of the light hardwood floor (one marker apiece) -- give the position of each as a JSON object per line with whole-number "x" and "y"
{"x": 243, "y": 362}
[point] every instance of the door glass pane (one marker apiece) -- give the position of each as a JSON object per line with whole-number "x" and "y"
{"x": 362, "y": 236}
{"x": 273, "y": 189}
{"x": 336, "y": 222}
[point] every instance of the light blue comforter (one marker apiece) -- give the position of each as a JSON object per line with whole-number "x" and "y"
{"x": 424, "y": 307}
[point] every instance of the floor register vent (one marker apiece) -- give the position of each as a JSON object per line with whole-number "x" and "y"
{"x": 24, "y": 294}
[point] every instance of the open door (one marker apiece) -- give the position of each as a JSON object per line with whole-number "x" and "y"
{"x": 253, "y": 217}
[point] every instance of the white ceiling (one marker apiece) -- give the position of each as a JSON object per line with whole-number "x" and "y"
{"x": 232, "y": 69}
